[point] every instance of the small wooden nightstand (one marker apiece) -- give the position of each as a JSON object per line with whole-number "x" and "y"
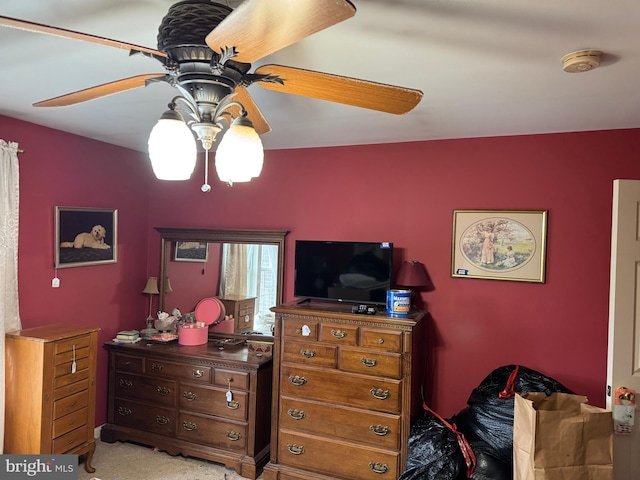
{"x": 243, "y": 310}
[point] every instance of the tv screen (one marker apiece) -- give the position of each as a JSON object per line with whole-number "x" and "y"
{"x": 358, "y": 272}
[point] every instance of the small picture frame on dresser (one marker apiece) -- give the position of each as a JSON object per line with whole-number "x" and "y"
{"x": 191, "y": 252}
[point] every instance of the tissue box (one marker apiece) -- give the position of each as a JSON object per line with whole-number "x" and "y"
{"x": 193, "y": 336}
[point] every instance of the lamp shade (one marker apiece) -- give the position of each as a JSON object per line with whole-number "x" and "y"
{"x": 413, "y": 274}
{"x": 167, "y": 286}
{"x": 240, "y": 155}
{"x": 172, "y": 148}
{"x": 151, "y": 288}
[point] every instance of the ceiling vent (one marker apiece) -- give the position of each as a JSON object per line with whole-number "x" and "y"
{"x": 581, "y": 61}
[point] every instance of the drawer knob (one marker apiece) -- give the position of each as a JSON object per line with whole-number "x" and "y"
{"x": 164, "y": 391}
{"x": 233, "y": 436}
{"x": 124, "y": 411}
{"x": 380, "y": 394}
{"x": 307, "y": 353}
{"x": 162, "y": 420}
{"x": 380, "y": 430}
{"x": 378, "y": 467}
{"x": 381, "y": 341}
{"x": 339, "y": 333}
{"x": 233, "y": 405}
{"x": 189, "y": 426}
{"x": 157, "y": 366}
{"x": 295, "y": 449}
{"x": 297, "y": 380}
{"x": 198, "y": 373}
{"x": 190, "y": 396}
{"x": 369, "y": 362}
{"x": 296, "y": 414}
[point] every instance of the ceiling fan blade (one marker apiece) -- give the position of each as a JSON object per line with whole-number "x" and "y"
{"x": 258, "y": 28}
{"x": 335, "y": 88}
{"x": 61, "y": 32}
{"x": 99, "y": 91}
{"x": 253, "y": 113}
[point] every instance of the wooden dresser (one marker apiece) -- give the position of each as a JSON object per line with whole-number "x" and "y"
{"x": 346, "y": 388}
{"x": 243, "y": 310}
{"x": 175, "y": 398}
{"x": 50, "y": 387}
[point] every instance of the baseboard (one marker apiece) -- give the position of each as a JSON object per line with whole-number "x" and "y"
{"x": 96, "y": 431}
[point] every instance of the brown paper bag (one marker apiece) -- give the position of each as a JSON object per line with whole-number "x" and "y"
{"x": 560, "y": 437}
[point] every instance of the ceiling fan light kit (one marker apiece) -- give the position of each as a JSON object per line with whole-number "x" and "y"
{"x": 207, "y": 49}
{"x": 581, "y": 61}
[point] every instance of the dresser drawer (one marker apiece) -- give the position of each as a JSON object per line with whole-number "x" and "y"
{"x": 68, "y": 356}
{"x": 338, "y": 334}
{"x": 231, "y": 378}
{"x": 65, "y": 368}
{"x": 192, "y": 373}
{"x": 337, "y": 459}
{"x": 69, "y": 422}
{"x": 127, "y": 363}
{"x": 68, "y": 344}
{"x": 295, "y": 329}
{"x": 212, "y": 431}
{"x": 70, "y": 404}
{"x": 311, "y": 353}
{"x": 356, "y": 425}
{"x": 383, "y": 340}
{"x": 81, "y": 382}
{"x": 145, "y": 388}
{"x": 349, "y": 389}
{"x": 213, "y": 401}
{"x": 369, "y": 362}
{"x": 146, "y": 417}
{"x": 70, "y": 440}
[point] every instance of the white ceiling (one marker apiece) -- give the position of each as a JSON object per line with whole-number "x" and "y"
{"x": 486, "y": 67}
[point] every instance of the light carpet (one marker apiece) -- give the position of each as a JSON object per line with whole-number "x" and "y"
{"x": 130, "y": 461}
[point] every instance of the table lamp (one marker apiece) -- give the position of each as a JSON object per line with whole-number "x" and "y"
{"x": 151, "y": 289}
{"x": 413, "y": 274}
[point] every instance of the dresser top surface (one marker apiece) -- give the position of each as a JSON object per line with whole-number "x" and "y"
{"x": 51, "y": 333}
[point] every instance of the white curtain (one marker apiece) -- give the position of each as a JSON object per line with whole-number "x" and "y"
{"x": 234, "y": 269}
{"x": 9, "y": 200}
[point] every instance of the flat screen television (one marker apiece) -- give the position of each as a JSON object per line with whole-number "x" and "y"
{"x": 356, "y": 272}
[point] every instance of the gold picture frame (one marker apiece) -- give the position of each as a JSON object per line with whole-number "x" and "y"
{"x": 499, "y": 245}
{"x": 85, "y": 236}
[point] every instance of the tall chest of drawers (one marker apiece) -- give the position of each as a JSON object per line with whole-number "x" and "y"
{"x": 200, "y": 401}
{"x": 346, "y": 388}
{"x": 50, "y": 387}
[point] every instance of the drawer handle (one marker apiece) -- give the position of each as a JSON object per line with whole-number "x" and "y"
{"x": 338, "y": 333}
{"x": 380, "y": 394}
{"x": 295, "y": 449}
{"x": 233, "y": 436}
{"x": 378, "y": 467}
{"x": 380, "y": 430}
{"x": 157, "y": 366}
{"x": 296, "y": 414}
{"x": 381, "y": 341}
{"x": 369, "y": 362}
{"x": 197, "y": 373}
{"x": 124, "y": 411}
{"x": 162, "y": 420}
{"x": 164, "y": 391}
{"x": 189, "y": 426}
{"x": 307, "y": 353}
{"x": 233, "y": 405}
{"x": 297, "y": 380}
{"x": 190, "y": 396}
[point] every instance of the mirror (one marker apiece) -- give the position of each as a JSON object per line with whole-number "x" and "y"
{"x": 191, "y": 268}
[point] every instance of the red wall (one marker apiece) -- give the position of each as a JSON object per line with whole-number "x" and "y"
{"x": 403, "y": 193}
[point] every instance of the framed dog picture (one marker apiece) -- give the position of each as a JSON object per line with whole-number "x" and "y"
{"x": 191, "y": 252}
{"x": 85, "y": 236}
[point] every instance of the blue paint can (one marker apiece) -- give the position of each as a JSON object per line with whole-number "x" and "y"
{"x": 398, "y": 302}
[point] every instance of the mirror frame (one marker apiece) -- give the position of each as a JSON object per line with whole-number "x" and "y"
{"x": 219, "y": 235}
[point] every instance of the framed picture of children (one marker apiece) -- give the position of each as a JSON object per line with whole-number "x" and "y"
{"x": 499, "y": 244}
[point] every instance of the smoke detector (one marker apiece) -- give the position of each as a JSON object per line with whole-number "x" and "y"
{"x": 581, "y": 61}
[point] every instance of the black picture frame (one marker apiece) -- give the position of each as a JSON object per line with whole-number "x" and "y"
{"x": 191, "y": 252}
{"x": 85, "y": 236}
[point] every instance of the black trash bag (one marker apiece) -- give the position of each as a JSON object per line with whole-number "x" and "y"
{"x": 434, "y": 453}
{"x": 488, "y": 466}
{"x": 489, "y": 417}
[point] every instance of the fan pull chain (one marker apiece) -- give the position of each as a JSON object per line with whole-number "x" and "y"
{"x": 205, "y": 186}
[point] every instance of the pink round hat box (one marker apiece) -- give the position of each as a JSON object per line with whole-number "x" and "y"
{"x": 208, "y": 311}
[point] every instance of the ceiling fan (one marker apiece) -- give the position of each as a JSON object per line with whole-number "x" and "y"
{"x": 207, "y": 49}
